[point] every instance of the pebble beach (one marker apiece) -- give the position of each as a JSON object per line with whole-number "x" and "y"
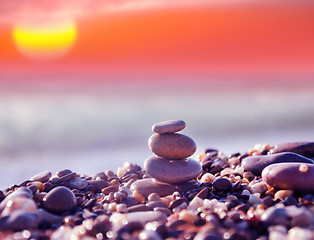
{"x": 263, "y": 193}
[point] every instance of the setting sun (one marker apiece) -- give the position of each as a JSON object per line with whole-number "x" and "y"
{"x": 45, "y": 40}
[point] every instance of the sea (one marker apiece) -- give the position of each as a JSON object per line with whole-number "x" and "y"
{"x": 90, "y": 127}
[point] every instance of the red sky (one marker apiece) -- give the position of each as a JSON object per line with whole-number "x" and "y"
{"x": 246, "y": 38}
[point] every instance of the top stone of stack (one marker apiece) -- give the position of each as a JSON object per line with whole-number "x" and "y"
{"x": 170, "y": 126}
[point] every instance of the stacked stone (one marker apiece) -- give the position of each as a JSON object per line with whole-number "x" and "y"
{"x": 171, "y": 166}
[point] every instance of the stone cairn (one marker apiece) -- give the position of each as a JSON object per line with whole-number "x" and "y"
{"x": 171, "y": 168}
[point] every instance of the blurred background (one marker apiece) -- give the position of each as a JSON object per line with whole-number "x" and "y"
{"x": 82, "y": 82}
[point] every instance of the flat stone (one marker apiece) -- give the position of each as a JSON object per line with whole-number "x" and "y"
{"x": 172, "y": 145}
{"x": 150, "y": 185}
{"x": 172, "y": 171}
{"x": 170, "y": 126}
{"x": 303, "y": 148}
{"x": 256, "y": 164}
{"x": 59, "y": 200}
{"x": 42, "y": 176}
{"x": 290, "y": 176}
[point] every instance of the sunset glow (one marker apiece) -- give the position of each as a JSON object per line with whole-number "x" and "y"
{"x": 45, "y": 40}
{"x": 153, "y": 37}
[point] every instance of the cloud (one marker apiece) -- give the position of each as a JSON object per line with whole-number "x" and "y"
{"x": 13, "y": 11}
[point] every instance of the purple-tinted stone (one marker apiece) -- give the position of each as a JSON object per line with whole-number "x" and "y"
{"x": 59, "y": 199}
{"x": 170, "y": 126}
{"x": 172, "y": 171}
{"x": 42, "y": 177}
{"x": 256, "y": 164}
{"x": 290, "y": 176}
{"x": 172, "y": 145}
{"x": 303, "y": 148}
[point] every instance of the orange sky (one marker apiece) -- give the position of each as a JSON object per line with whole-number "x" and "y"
{"x": 227, "y": 39}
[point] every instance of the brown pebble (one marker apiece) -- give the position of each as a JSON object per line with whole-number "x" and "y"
{"x": 172, "y": 145}
{"x": 63, "y": 172}
{"x": 68, "y": 177}
{"x": 109, "y": 189}
{"x": 42, "y": 177}
{"x": 170, "y": 126}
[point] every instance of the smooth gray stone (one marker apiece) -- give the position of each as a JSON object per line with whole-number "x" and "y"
{"x": 172, "y": 145}
{"x": 290, "y": 176}
{"x": 172, "y": 171}
{"x": 19, "y": 220}
{"x": 42, "y": 176}
{"x": 256, "y": 164}
{"x": 170, "y": 126}
{"x": 59, "y": 200}
{"x": 303, "y": 148}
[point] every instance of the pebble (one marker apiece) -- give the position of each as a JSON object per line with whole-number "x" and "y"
{"x": 172, "y": 145}
{"x": 256, "y": 164}
{"x": 224, "y": 202}
{"x": 172, "y": 171}
{"x": 22, "y": 192}
{"x": 19, "y": 220}
{"x": 78, "y": 183}
{"x": 303, "y": 148}
{"x": 289, "y": 177}
{"x": 59, "y": 200}
{"x": 170, "y": 126}
{"x": 98, "y": 184}
{"x": 19, "y": 203}
{"x": 42, "y": 176}
{"x": 147, "y": 216}
{"x": 222, "y": 185}
{"x": 149, "y": 185}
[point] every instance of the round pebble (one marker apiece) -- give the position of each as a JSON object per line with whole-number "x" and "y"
{"x": 59, "y": 199}
{"x": 175, "y": 171}
{"x": 222, "y": 185}
{"x": 290, "y": 176}
{"x": 170, "y": 126}
{"x": 172, "y": 145}
{"x": 256, "y": 164}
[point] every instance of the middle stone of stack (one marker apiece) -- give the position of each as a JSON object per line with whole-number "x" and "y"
{"x": 171, "y": 165}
